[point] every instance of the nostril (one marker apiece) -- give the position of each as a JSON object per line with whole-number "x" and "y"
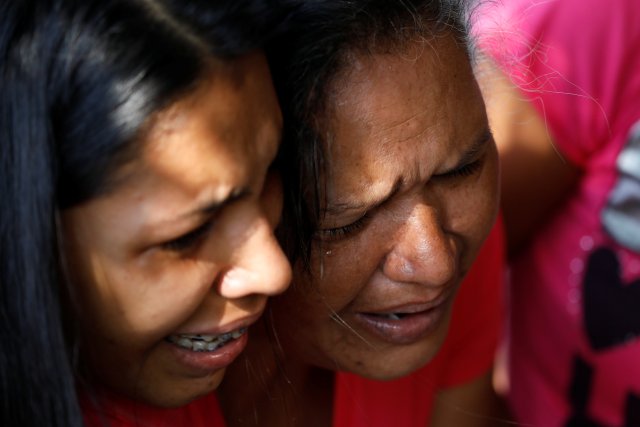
{"x": 430, "y": 262}
{"x": 397, "y": 268}
{"x": 237, "y": 282}
{"x": 407, "y": 268}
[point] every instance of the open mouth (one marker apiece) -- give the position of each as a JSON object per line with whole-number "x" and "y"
{"x": 390, "y": 316}
{"x": 401, "y": 328}
{"x": 203, "y": 343}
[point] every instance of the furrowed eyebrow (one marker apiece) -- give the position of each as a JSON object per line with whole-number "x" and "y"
{"x": 213, "y": 207}
{"x": 342, "y": 207}
{"x": 468, "y": 156}
{"x": 206, "y": 210}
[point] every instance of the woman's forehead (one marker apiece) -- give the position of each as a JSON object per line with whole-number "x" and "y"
{"x": 390, "y": 102}
{"x": 402, "y": 117}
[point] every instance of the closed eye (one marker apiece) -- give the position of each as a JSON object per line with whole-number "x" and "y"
{"x": 188, "y": 240}
{"x": 462, "y": 171}
{"x": 191, "y": 239}
{"x": 329, "y": 234}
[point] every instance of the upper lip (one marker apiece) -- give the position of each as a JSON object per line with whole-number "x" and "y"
{"x": 411, "y": 306}
{"x": 234, "y": 325}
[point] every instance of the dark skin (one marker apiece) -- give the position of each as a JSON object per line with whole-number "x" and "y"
{"x": 426, "y": 181}
{"x": 472, "y": 405}
{"x": 279, "y": 394}
{"x": 535, "y": 178}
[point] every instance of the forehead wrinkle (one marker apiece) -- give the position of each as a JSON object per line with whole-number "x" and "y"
{"x": 360, "y": 100}
{"x": 345, "y": 206}
{"x": 404, "y": 121}
{"x": 407, "y": 123}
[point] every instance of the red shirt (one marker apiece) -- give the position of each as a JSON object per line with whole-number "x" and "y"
{"x": 467, "y": 353}
{"x": 114, "y": 411}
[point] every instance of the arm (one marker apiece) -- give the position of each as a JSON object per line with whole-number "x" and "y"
{"x": 473, "y": 404}
{"x": 535, "y": 177}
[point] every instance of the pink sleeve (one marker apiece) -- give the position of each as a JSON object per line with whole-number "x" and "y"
{"x": 542, "y": 46}
{"x": 476, "y": 324}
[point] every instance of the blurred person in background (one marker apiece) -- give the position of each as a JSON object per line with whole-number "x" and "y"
{"x": 137, "y": 240}
{"x": 563, "y": 95}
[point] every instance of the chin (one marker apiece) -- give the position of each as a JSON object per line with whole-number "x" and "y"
{"x": 179, "y": 394}
{"x": 174, "y": 400}
{"x": 399, "y": 368}
{"x": 400, "y": 361}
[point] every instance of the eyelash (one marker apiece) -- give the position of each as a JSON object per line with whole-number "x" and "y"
{"x": 346, "y": 230}
{"x": 350, "y": 229}
{"x": 189, "y": 240}
{"x": 463, "y": 171}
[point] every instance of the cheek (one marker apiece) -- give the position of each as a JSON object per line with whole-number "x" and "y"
{"x": 342, "y": 269}
{"x": 146, "y": 302}
{"x": 473, "y": 208}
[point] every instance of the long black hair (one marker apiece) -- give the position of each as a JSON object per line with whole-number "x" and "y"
{"x": 309, "y": 53}
{"x": 78, "y": 80}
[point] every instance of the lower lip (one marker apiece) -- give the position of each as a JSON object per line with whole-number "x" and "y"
{"x": 407, "y": 330}
{"x": 205, "y": 362}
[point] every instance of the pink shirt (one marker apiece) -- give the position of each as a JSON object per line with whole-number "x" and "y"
{"x": 575, "y": 306}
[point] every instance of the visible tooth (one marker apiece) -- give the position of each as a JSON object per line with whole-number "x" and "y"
{"x": 205, "y": 342}
{"x": 393, "y": 316}
{"x": 184, "y": 342}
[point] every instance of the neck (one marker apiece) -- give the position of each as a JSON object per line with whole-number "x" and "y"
{"x": 269, "y": 386}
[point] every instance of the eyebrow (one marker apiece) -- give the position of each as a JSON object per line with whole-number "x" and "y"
{"x": 467, "y": 157}
{"x": 341, "y": 207}
{"x": 212, "y": 208}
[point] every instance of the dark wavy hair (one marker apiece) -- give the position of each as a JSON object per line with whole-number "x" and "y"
{"x": 78, "y": 81}
{"x": 308, "y": 55}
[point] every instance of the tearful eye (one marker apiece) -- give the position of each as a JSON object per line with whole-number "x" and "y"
{"x": 344, "y": 231}
{"x": 189, "y": 240}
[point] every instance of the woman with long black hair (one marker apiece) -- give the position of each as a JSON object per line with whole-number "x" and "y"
{"x": 136, "y": 241}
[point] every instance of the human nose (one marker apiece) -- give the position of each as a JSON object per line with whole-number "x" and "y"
{"x": 422, "y": 251}
{"x": 260, "y": 268}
